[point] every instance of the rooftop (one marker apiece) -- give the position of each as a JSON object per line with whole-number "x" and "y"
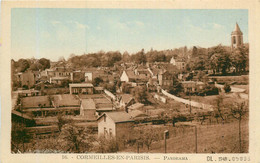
{"x": 66, "y": 100}
{"x": 118, "y": 117}
{"x": 81, "y": 85}
{"x": 136, "y": 106}
{"x": 88, "y": 104}
{"x": 126, "y": 98}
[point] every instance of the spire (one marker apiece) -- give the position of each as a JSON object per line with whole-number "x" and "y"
{"x": 237, "y": 30}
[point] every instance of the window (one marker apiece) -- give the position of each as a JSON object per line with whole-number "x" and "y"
{"x": 105, "y": 118}
{"x": 110, "y": 132}
{"x": 234, "y": 39}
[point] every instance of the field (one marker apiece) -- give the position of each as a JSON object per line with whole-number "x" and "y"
{"x": 35, "y": 101}
{"x": 243, "y": 79}
{"x": 217, "y": 138}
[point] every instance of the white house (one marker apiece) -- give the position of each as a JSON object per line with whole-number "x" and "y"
{"x": 115, "y": 124}
{"x": 88, "y": 76}
{"x": 127, "y": 76}
{"x": 172, "y": 61}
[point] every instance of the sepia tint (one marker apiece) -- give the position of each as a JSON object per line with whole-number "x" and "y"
{"x": 129, "y": 81}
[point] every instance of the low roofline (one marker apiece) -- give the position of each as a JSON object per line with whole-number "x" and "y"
{"x": 113, "y": 120}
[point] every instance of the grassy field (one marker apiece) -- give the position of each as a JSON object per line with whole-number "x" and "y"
{"x": 218, "y": 138}
{"x": 243, "y": 79}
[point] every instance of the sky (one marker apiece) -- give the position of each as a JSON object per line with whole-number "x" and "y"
{"x": 53, "y": 33}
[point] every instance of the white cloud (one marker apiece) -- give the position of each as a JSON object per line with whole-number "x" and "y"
{"x": 217, "y": 26}
{"x": 81, "y": 26}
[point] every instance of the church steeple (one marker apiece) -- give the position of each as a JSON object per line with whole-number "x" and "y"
{"x": 236, "y": 37}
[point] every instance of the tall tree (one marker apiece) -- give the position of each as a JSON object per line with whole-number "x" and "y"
{"x": 220, "y": 59}
{"x": 240, "y": 59}
{"x": 46, "y": 63}
{"x": 23, "y": 65}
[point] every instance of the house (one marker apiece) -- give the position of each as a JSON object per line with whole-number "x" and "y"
{"x": 103, "y": 105}
{"x": 27, "y": 78}
{"x": 81, "y": 88}
{"x": 92, "y": 73}
{"x": 128, "y": 76}
{"x": 125, "y": 100}
{"x": 58, "y": 80}
{"x": 180, "y": 64}
{"x": 192, "y": 86}
{"x": 88, "y": 77}
{"x": 115, "y": 125}
{"x": 58, "y": 72}
{"x": 30, "y": 92}
{"x": 173, "y": 61}
{"x": 88, "y": 109}
{"x": 142, "y": 71}
{"x": 165, "y": 79}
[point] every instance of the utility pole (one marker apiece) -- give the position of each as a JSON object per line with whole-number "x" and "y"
{"x": 196, "y": 140}
{"x": 166, "y": 136}
{"x": 137, "y": 146}
{"x": 190, "y": 101}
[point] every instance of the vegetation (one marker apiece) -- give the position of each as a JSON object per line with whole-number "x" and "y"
{"x": 30, "y": 64}
{"x": 74, "y": 140}
{"x": 140, "y": 94}
{"x": 227, "y": 88}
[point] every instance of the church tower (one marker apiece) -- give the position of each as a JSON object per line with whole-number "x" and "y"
{"x": 236, "y": 38}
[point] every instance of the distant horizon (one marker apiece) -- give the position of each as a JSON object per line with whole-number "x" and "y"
{"x": 54, "y": 33}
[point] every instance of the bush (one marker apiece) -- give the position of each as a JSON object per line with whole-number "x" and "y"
{"x": 227, "y": 88}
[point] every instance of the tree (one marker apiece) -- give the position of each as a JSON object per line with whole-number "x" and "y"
{"x": 240, "y": 59}
{"x": 238, "y": 110}
{"x": 23, "y": 65}
{"x": 46, "y": 63}
{"x": 19, "y": 136}
{"x": 194, "y": 51}
{"x": 97, "y": 81}
{"x": 177, "y": 88}
{"x": 139, "y": 57}
{"x": 126, "y": 56}
{"x": 126, "y": 88}
{"x": 62, "y": 121}
{"x": 36, "y": 66}
{"x": 219, "y": 59}
{"x": 65, "y": 83}
{"x": 141, "y": 95}
{"x": 219, "y": 107}
{"x": 227, "y": 88}
{"x": 106, "y": 145}
{"x": 74, "y": 140}
{"x": 146, "y": 135}
{"x": 50, "y": 99}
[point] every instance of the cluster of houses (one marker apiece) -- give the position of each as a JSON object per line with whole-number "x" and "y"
{"x": 113, "y": 112}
